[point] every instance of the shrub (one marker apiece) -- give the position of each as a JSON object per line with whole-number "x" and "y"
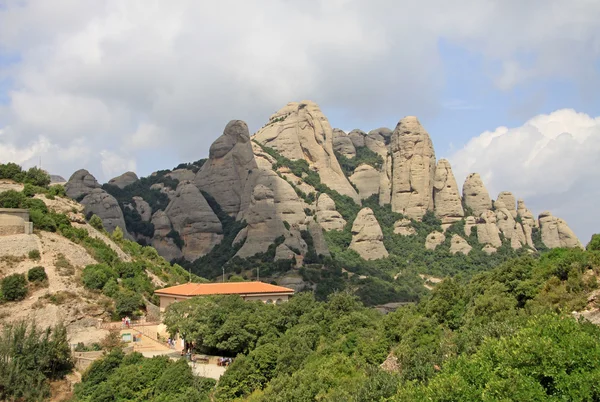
{"x": 14, "y": 287}
{"x": 96, "y": 276}
{"x": 128, "y": 302}
{"x": 37, "y": 274}
{"x": 96, "y": 222}
{"x": 34, "y": 255}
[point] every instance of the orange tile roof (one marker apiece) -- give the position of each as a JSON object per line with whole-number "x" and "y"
{"x": 228, "y": 288}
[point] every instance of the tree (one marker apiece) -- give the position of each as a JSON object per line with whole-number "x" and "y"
{"x": 594, "y": 244}
{"x": 37, "y": 177}
{"x": 96, "y": 222}
{"x": 117, "y": 235}
{"x": 128, "y": 302}
{"x": 37, "y": 274}
{"x": 96, "y": 276}
{"x": 14, "y": 287}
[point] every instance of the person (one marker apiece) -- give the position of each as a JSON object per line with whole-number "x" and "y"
{"x": 123, "y": 322}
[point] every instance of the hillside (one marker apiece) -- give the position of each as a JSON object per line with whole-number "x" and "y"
{"x": 87, "y": 276}
{"x": 364, "y": 211}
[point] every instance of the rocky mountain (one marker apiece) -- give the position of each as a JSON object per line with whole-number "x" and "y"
{"x": 298, "y": 185}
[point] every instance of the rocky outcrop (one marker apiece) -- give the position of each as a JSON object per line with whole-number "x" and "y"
{"x": 434, "y": 239}
{"x": 263, "y": 225}
{"x": 487, "y": 231}
{"x": 446, "y": 198}
{"x": 343, "y": 144}
{"x": 182, "y": 175}
{"x": 404, "y": 227}
{"x": 475, "y": 195}
{"x": 357, "y": 137}
{"x": 526, "y": 215}
{"x": 80, "y": 184}
{"x": 124, "y": 180}
{"x": 194, "y": 220}
{"x": 143, "y": 208}
{"x": 230, "y": 162}
{"x": 316, "y": 232}
{"x": 366, "y": 179}
{"x": 99, "y": 202}
{"x": 300, "y": 131}
{"x": 376, "y": 143}
{"x": 508, "y": 200}
{"x": 556, "y": 232}
{"x": 327, "y": 216}
{"x": 162, "y": 242}
{"x": 367, "y": 237}
{"x": 385, "y": 181}
{"x": 84, "y": 187}
{"x": 413, "y": 169}
{"x": 459, "y": 245}
{"x": 510, "y": 228}
{"x": 382, "y": 132}
{"x": 470, "y": 222}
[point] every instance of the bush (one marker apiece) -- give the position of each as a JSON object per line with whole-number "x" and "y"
{"x": 34, "y": 255}
{"x": 37, "y": 274}
{"x": 128, "y": 302}
{"x": 96, "y": 222}
{"x": 14, "y": 287}
{"x": 96, "y": 276}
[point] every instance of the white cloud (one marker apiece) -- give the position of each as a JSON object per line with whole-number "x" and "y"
{"x": 552, "y": 161}
{"x": 114, "y": 164}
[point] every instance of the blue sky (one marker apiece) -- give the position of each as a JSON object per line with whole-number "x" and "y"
{"x": 124, "y": 85}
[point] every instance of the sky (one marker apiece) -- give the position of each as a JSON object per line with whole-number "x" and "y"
{"x": 506, "y": 88}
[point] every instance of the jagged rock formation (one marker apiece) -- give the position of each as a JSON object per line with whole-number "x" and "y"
{"x": 413, "y": 169}
{"x": 367, "y": 237}
{"x": 182, "y": 175}
{"x": 556, "y": 232}
{"x": 124, "y": 180}
{"x": 366, "y": 180}
{"x": 143, "y": 208}
{"x": 470, "y": 222}
{"x": 327, "y": 216}
{"x": 100, "y": 203}
{"x": 300, "y": 131}
{"x": 316, "y": 232}
{"x": 459, "y": 245}
{"x": 84, "y": 187}
{"x": 528, "y": 222}
{"x": 446, "y": 198}
{"x": 80, "y": 184}
{"x": 230, "y": 162}
{"x": 510, "y": 228}
{"x": 434, "y": 239}
{"x": 508, "y": 200}
{"x": 250, "y": 183}
{"x": 343, "y": 144}
{"x": 475, "y": 195}
{"x": 161, "y": 241}
{"x": 404, "y": 227}
{"x": 263, "y": 226}
{"x": 487, "y": 231}
{"x": 194, "y": 220}
{"x": 357, "y": 137}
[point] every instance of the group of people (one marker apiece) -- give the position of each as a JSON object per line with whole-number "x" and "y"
{"x": 171, "y": 343}
{"x": 224, "y": 361}
{"x": 125, "y": 322}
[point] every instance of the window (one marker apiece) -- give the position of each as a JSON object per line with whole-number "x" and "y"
{"x": 269, "y": 301}
{"x": 279, "y": 301}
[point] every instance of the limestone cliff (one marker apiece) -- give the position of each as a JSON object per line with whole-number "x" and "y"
{"x": 300, "y": 131}
{"x": 367, "y": 237}
{"x": 413, "y": 160}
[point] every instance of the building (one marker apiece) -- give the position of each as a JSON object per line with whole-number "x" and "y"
{"x": 264, "y": 292}
{"x": 15, "y": 221}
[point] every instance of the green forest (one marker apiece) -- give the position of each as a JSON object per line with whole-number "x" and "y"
{"x": 505, "y": 334}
